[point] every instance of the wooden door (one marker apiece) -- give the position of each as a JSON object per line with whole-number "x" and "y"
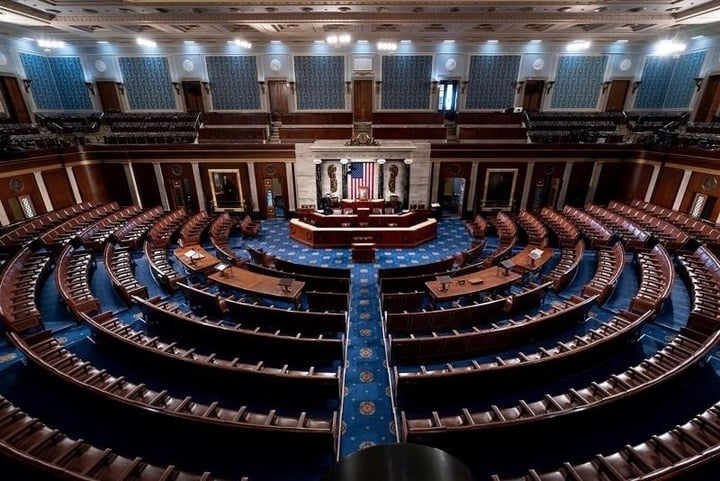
{"x": 362, "y": 100}
{"x": 617, "y": 95}
{"x": 108, "y": 94}
{"x": 278, "y": 93}
{"x": 710, "y": 101}
{"x": 533, "y": 94}
{"x": 192, "y": 95}
{"x": 14, "y": 100}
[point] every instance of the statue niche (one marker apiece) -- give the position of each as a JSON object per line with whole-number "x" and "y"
{"x": 393, "y": 176}
{"x": 332, "y": 174}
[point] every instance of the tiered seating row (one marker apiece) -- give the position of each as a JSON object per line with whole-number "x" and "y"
{"x": 447, "y": 346}
{"x": 656, "y": 280}
{"x": 565, "y": 231}
{"x": 71, "y": 277}
{"x": 684, "y": 352}
{"x": 162, "y": 232}
{"x": 702, "y": 271}
{"x": 27, "y": 440}
{"x": 423, "y": 381}
{"x": 610, "y": 264}
{"x": 596, "y": 232}
{"x": 56, "y": 238}
{"x": 132, "y": 232}
{"x": 220, "y": 229}
{"x": 160, "y": 266}
{"x": 672, "y": 237}
{"x": 477, "y": 226}
{"x": 633, "y": 235}
{"x": 507, "y": 233}
{"x": 564, "y": 271}
{"x": 18, "y": 284}
{"x": 30, "y": 230}
{"x": 119, "y": 265}
{"x": 96, "y": 234}
{"x": 536, "y": 231}
{"x": 48, "y": 354}
{"x": 193, "y": 228}
{"x": 702, "y": 231}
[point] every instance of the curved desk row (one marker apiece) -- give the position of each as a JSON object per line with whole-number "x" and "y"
{"x": 314, "y": 236}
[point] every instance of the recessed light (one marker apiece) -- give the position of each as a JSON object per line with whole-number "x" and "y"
{"x": 405, "y": 41}
{"x": 275, "y": 41}
{"x": 535, "y": 40}
{"x": 621, "y": 40}
{"x": 697, "y": 37}
{"x": 493, "y": 40}
{"x": 362, "y": 41}
{"x": 448, "y": 41}
{"x": 102, "y": 42}
{"x": 189, "y": 42}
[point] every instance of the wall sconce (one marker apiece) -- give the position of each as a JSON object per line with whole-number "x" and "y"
{"x": 317, "y": 161}
{"x": 605, "y": 86}
{"x": 698, "y": 83}
{"x": 344, "y": 161}
{"x": 464, "y": 86}
{"x": 408, "y": 161}
{"x": 520, "y": 86}
{"x": 206, "y": 86}
{"x": 378, "y": 86}
{"x": 89, "y": 86}
{"x": 177, "y": 87}
{"x": 26, "y": 84}
{"x": 292, "y": 87}
{"x": 636, "y": 85}
{"x": 121, "y": 87}
{"x": 262, "y": 86}
{"x": 549, "y": 86}
{"x": 381, "y": 161}
{"x": 434, "y": 85}
{"x": 347, "y": 86}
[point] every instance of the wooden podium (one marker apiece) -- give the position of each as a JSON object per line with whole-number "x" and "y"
{"x": 363, "y": 251}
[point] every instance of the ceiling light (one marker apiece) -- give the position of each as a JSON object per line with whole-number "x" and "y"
{"x": 577, "y": 45}
{"x": 275, "y": 41}
{"x": 240, "y": 43}
{"x": 362, "y": 41}
{"x": 668, "y": 47}
{"x": 405, "y": 41}
{"x": 387, "y": 46}
{"x": 494, "y": 40}
{"x": 50, "y": 43}
{"x": 697, "y": 37}
{"x": 621, "y": 40}
{"x": 102, "y": 42}
{"x": 145, "y": 42}
{"x": 338, "y": 39}
{"x": 189, "y": 42}
{"x": 536, "y": 41}
{"x": 448, "y": 41}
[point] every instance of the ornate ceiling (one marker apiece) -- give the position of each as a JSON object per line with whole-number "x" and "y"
{"x": 215, "y": 21}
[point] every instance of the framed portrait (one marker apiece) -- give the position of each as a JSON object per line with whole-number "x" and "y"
{"x": 226, "y": 190}
{"x": 499, "y": 189}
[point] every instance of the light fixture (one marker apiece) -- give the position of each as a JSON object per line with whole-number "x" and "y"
{"x": 240, "y": 43}
{"x": 344, "y": 161}
{"x": 449, "y": 41}
{"x": 50, "y": 43}
{"x": 102, "y": 42}
{"x": 493, "y": 40}
{"x": 622, "y": 40}
{"x": 697, "y": 37}
{"x": 121, "y": 87}
{"x": 577, "y": 45}
{"x": 605, "y": 85}
{"x": 189, "y": 42}
{"x": 519, "y": 86}
{"x": 433, "y": 86}
{"x": 405, "y": 41}
{"x": 26, "y": 83}
{"x": 464, "y": 86}
{"x": 408, "y": 161}
{"x": 386, "y": 46}
{"x": 145, "y": 42}
{"x": 317, "y": 161}
{"x": 206, "y": 85}
{"x": 275, "y": 41}
{"x": 378, "y": 86}
{"x": 292, "y": 87}
{"x": 261, "y": 83}
{"x": 381, "y": 161}
{"x": 668, "y": 47}
{"x": 338, "y": 39}
{"x": 698, "y": 83}
{"x": 549, "y": 86}
{"x": 348, "y": 83}
{"x": 89, "y": 86}
{"x": 636, "y": 85}
{"x": 536, "y": 41}
{"x": 177, "y": 87}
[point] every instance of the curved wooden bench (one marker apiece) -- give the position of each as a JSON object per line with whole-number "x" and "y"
{"x": 95, "y": 235}
{"x": 565, "y": 231}
{"x": 160, "y": 266}
{"x": 610, "y": 264}
{"x": 162, "y": 232}
{"x": 132, "y": 232}
{"x": 684, "y": 352}
{"x": 698, "y": 229}
{"x": 596, "y": 232}
{"x": 119, "y": 266}
{"x": 452, "y": 318}
{"x": 48, "y": 354}
{"x": 453, "y": 382}
{"x": 535, "y": 230}
{"x": 675, "y": 453}
{"x": 701, "y": 269}
{"x": 312, "y": 382}
{"x": 657, "y": 276}
{"x": 28, "y": 441}
{"x": 193, "y": 227}
{"x": 565, "y": 270}
{"x": 72, "y": 279}
{"x": 219, "y": 231}
{"x": 634, "y": 236}
{"x": 672, "y": 238}
{"x": 58, "y": 237}
{"x": 26, "y": 232}
{"x": 493, "y": 338}
{"x": 18, "y": 284}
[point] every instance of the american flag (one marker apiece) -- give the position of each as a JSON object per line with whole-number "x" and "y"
{"x": 361, "y": 174}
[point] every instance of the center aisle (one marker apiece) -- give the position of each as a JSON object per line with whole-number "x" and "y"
{"x": 368, "y": 418}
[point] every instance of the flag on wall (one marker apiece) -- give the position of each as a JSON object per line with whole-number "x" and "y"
{"x": 361, "y": 180}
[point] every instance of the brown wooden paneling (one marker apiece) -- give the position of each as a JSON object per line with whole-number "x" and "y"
{"x": 533, "y": 94}
{"x": 362, "y": 100}
{"x": 147, "y": 184}
{"x": 108, "y": 95}
{"x": 17, "y": 186}
{"x": 192, "y": 95}
{"x": 180, "y": 185}
{"x": 617, "y": 95}
{"x": 667, "y": 186}
{"x": 318, "y": 118}
{"x": 579, "y": 183}
{"x": 407, "y": 118}
{"x": 58, "y": 188}
{"x": 710, "y": 101}
{"x": 278, "y": 96}
{"x": 519, "y": 180}
{"x": 696, "y": 186}
{"x": 269, "y": 170}
{"x": 14, "y": 101}
{"x": 608, "y": 187}
{"x": 545, "y": 184}
{"x": 410, "y": 132}
{"x": 102, "y": 183}
{"x": 633, "y": 181}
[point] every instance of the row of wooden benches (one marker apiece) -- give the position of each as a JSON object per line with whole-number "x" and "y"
{"x": 701, "y": 269}
{"x": 56, "y": 238}
{"x": 698, "y": 229}
{"x": 565, "y": 231}
{"x": 632, "y": 235}
{"x": 535, "y": 230}
{"x": 673, "y": 238}
{"x": 72, "y": 280}
{"x": 657, "y": 276}
{"x": 597, "y": 233}
{"x": 26, "y": 232}
{"x": 20, "y": 276}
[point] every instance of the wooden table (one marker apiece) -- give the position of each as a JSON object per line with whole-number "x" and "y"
{"x": 471, "y": 284}
{"x": 260, "y": 284}
{"x": 201, "y": 260}
{"x": 524, "y": 263}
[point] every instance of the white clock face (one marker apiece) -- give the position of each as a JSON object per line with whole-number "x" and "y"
{"x": 538, "y": 64}
{"x": 450, "y": 64}
{"x": 275, "y": 65}
{"x": 3, "y": 59}
{"x": 625, "y": 64}
{"x": 100, "y": 66}
{"x": 188, "y": 65}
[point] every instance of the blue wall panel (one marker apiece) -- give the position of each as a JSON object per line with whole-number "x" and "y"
{"x": 492, "y": 81}
{"x": 320, "y": 82}
{"x": 578, "y": 81}
{"x": 682, "y": 84}
{"x": 406, "y": 82}
{"x": 234, "y": 82}
{"x": 147, "y": 83}
{"x": 43, "y": 88}
{"x": 70, "y": 82}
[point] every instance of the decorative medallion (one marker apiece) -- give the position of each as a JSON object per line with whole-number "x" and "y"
{"x": 625, "y": 64}
{"x": 450, "y": 64}
{"x": 367, "y": 408}
{"x": 275, "y": 65}
{"x": 100, "y": 65}
{"x": 455, "y": 169}
{"x": 366, "y": 332}
{"x": 188, "y": 65}
{"x": 366, "y": 444}
{"x": 709, "y": 183}
{"x": 391, "y": 426}
{"x": 365, "y": 316}
{"x": 270, "y": 169}
{"x": 176, "y": 169}
{"x": 365, "y": 352}
{"x": 538, "y": 64}
{"x": 3, "y": 59}
{"x": 16, "y": 185}
{"x": 361, "y": 139}
{"x": 366, "y": 376}
{"x": 364, "y": 302}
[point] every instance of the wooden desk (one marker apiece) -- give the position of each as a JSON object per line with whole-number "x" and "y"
{"x": 472, "y": 284}
{"x": 315, "y": 236}
{"x": 523, "y": 262}
{"x": 260, "y": 284}
{"x": 202, "y": 262}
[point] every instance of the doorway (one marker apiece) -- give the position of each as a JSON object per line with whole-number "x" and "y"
{"x": 452, "y": 197}
{"x": 108, "y": 95}
{"x": 447, "y": 99}
{"x": 192, "y": 95}
{"x": 533, "y": 94}
{"x": 278, "y": 96}
{"x": 617, "y": 95}
{"x": 13, "y": 100}
{"x": 274, "y": 200}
